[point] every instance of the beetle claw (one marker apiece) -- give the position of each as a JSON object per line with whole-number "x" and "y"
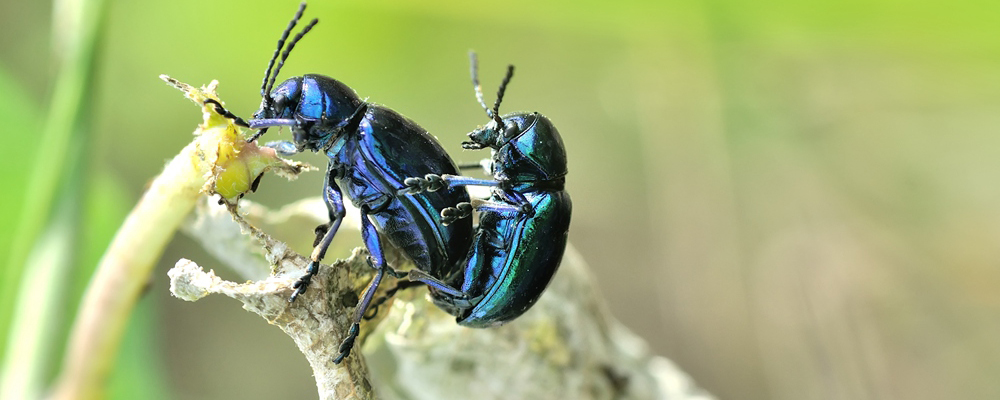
{"x": 302, "y": 284}
{"x": 299, "y": 289}
{"x": 469, "y": 145}
{"x": 452, "y": 214}
{"x": 320, "y": 231}
{"x": 528, "y": 210}
{"x": 429, "y": 183}
{"x": 348, "y": 343}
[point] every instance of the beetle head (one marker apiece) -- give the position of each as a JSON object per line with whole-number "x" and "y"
{"x": 495, "y": 135}
{"x": 278, "y": 103}
{"x": 321, "y": 106}
{"x": 499, "y": 130}
{"x": 534, "y": 152}
{"x": 526, "y": 146}
{"x": 281, "y": 101}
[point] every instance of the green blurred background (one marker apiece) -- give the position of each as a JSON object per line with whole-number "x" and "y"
{"x": 791, "y": 200}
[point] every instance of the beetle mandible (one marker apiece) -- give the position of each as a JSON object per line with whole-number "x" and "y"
{"x": 372, "y": 149}
{"x": 523, "y": 226}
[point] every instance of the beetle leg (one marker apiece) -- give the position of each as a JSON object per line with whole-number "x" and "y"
{"x": 335, "y": 205}
{"x": 469, "y": 166}
{"x": 283, "y": 147}
{"x": 436, "y": 284}
{"x": 269, "y": 122}
{"x": 435, "y": 182}
{"x": 519, "y": 205}
{"x": 320, "y": 232}
{"x": 372, "y": 240}
{"x": 377, "y": 260}
{"x": 257, "y": 135}
{"x": 352, "y": 333}
{"x": 256, "y": 183}
{"x": 455, "y": 180}
{"x": 469, "y": 145}
{"x": 429, "y": 183}
{"x": 452, "y": 214}
{"x": 483, "y": 205}
{"x": 400, "y": 285}
{"x": 484, "y": 165}
{"x": 515, "y": 197}
{"x": 264, "y": 123}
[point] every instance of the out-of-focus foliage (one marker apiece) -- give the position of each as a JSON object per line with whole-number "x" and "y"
{"x": 789, "y": 199}
{"x": 23, "y": 118}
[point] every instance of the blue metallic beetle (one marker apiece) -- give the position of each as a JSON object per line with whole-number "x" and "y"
{"x": 372, "y": 149}
{"x": 523, "y": 226}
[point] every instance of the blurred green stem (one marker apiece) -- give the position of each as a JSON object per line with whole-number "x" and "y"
{"x": 218, "y": 149}
{"x": 31, "y": 344}
{"x": 123, "y": 272}
{"x": 77, "y": 26}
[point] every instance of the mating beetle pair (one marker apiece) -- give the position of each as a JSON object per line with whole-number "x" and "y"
{"x": 408, "y": 192}
{"x": 522, "y": 226}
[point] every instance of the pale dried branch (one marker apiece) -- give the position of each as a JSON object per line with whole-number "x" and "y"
{"x": 567, "y": 346}
{"x": 217, "y": 161}
{"x": 315, "y": 322}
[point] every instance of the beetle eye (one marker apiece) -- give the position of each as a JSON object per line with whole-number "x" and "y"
{"x": 279, "y": 103}
{"x": 510, "y": 130}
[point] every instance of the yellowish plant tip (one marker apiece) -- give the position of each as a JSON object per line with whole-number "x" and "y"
{"x": 233, "y": 164}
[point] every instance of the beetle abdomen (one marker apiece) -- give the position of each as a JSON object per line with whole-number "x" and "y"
{"x": 514, "y": 258}
{"x": 394, "y": 148}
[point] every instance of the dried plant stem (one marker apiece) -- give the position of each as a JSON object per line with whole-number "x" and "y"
{"x": 122, "y": 273}
{"x": 316, "y": 321}
{"x": 567, "y": 346}
{"x": 126, "y": 265}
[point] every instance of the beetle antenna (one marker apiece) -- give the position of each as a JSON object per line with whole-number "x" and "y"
{"x": 291, "y": 45}
{"x": 257, "y": 135}
{"x": 474, "y": 69}
{"x": 219, "y": 109}
{"x": 265, "y": 90}
{"x": 503, "y": 88}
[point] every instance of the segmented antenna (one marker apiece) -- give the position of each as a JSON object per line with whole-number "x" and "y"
{"x": 474, "y": 64}
{"x": 493, "y": 113}
{"x": 265, "y": 89}
{"x": 503, "y": 88}
{"x": 226, "y": 113}
{"x": 288, "y": 50}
